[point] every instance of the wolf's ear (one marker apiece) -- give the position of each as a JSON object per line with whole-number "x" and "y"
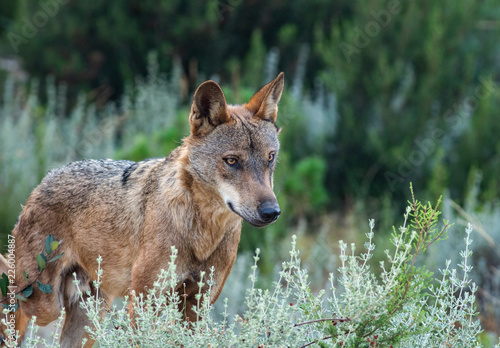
{"x": 209, "y": 108}
{"x": 264, "y": 103}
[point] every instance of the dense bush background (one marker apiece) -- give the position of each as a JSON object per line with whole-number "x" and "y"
{"x": 378, "y": 94}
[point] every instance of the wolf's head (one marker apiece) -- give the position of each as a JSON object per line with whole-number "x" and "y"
{"x": 234, "y": 148}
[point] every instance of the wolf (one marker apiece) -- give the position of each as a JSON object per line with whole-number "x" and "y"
{"x": 132, "y": 213}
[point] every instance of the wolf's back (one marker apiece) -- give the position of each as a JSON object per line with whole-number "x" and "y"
{"x": 88, "y": 171}
{"x": 78, "y": 183}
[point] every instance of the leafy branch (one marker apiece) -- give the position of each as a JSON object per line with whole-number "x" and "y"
{"x": 42, "y": 260}
{"x": 424, "y": 220}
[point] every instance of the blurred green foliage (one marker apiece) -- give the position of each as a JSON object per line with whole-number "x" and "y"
{"x": 305, "y": 184}
{"x": 161, "y": 143}
{"x": 413, "y": 82}
{"x": 101, "y": 44}
{"x": 7, "y": 13}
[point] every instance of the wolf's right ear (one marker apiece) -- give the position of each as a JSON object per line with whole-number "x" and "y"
{"x": 209, "y": 109}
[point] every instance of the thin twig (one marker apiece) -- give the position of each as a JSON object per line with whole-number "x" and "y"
{"x": 341, "y": 320}
{"x": 438, "y": 235}
{"x": 321, "y": 339}
{"x": 477, "y": 224}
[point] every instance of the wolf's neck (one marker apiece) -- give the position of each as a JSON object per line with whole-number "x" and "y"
{"x": 200, "y": 206}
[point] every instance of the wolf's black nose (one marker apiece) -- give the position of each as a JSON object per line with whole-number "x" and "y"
{"x": 269, "y": 211}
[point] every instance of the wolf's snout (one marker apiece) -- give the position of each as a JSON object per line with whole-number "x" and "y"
{"x": 269, "y": 211}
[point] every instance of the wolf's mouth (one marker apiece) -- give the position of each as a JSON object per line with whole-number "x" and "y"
{"x": 230, "y": 205}
{"x": 253, "y": 222}
{"x": 261, "y": 224}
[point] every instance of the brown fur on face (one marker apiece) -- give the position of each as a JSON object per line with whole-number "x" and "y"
{"x": 131, "y": 213}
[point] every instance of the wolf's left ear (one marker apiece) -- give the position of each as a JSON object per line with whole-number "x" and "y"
{"x": 209, "y": 109}
{"x": 264, "y": 103}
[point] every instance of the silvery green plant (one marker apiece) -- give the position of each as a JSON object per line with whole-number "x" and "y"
{"x": 403, "y": 305}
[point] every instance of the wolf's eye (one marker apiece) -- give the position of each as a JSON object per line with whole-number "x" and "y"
{"x": 271, "y": 157}
{"x": 231, "y": 161}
